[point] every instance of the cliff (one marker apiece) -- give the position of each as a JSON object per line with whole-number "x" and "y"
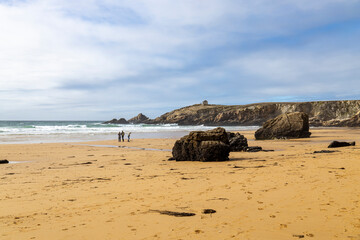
{"x": 322, "y": 113}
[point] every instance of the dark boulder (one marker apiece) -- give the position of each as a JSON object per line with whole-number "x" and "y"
{"x": 237, "y": 142}
{"x": 4, "y": 161}
{"x": 212, "y": 145}
{"x": 336, "y": 144}
{"x": 288, "y": 125}
{"x": 213, "y": 151}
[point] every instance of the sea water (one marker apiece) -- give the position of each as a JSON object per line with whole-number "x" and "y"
{"x": 76, "y": 131}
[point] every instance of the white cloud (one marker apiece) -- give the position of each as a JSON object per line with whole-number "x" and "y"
{"x": 151, "y": 50}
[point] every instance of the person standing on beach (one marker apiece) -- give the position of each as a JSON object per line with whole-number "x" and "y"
{"x": 119, "y": 137}
{"x": 122, "y": 135}
{"x": 129, "y": 136}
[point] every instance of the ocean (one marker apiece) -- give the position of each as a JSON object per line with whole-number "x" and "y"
{"x": 77, "y": 131}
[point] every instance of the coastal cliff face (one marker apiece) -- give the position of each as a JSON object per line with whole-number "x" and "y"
{"x": 324, "y": 113}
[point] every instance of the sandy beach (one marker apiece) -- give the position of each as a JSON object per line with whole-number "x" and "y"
{"x": 97, "y": 190}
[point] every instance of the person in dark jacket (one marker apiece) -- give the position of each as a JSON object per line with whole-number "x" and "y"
{"x": 122, "y": 135}
{"x": 119, "y": 137}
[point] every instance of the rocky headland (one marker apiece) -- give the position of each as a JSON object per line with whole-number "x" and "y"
{"x": 322, "y": 113}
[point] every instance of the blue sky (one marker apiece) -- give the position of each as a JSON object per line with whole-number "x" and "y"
{"x": 100, "y": 59}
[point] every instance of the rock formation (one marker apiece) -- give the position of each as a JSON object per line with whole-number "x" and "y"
{"x": 322, "y": 113}
{"x": 212, "y": 145}
{"x": 237, "y": 142}
{"x": 351, "y": 122}
{"x": 140, "y": 118}
{"x": 117, "y": 121}
{"x": 288, "y": 125}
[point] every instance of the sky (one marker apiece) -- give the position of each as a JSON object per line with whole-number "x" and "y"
{"x": 104, "y": 59}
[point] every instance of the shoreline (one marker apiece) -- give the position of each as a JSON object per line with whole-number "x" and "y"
{"x": 86, "y": 137}
{"x": 77, "y": 133}
{"x": 76, "y": 191}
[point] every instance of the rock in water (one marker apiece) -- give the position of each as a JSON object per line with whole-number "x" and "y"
{"x": 140, "y": 118}
{"x": 288, "y": 125}
{"x": 122, "y": 121}
{"x": 237, "y": 142}
{"x": 115, "y": 121}
{"x": 212, "y": 145}
{"x": 336, "y": 144}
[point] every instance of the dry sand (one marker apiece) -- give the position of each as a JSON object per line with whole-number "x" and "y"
{"x": 72, "y": 191}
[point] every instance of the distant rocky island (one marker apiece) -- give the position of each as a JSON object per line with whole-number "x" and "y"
{"x": 321, "y": 113}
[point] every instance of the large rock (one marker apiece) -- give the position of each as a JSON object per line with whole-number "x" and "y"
{"x": 212, "y": 145}
{"x": 237, "y": 142}
{"x": 288, "y": 125}
{"x": 140, "y": 118}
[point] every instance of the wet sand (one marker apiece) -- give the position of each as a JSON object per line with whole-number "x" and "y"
{"x": 77, "y": 191}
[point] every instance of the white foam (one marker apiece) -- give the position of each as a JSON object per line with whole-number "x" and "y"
{"x": 102, "y": 128}
{"x": 38, "y": 132}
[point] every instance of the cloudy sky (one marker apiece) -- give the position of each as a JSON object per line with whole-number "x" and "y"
{"x": 100, "y": 59}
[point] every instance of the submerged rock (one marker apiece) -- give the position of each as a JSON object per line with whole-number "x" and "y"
{"x": 288, "y": 125}
{"x": 212, "y": 145}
